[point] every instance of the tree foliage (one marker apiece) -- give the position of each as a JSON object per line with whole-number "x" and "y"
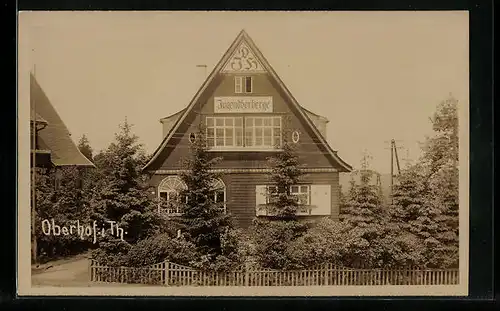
{"x": 60, "y": 201}
{"x": 426, "y": 195}
{"x": 273, "y": 236}
{"x": 121, "y": 198}
{"x": 204, "y": 220}
{"x": 85, "y": 148}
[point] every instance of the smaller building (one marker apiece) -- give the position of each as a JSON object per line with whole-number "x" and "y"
{"x": 51, "y": 142}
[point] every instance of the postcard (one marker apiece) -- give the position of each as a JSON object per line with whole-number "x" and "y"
{"x": 243, "y": 153}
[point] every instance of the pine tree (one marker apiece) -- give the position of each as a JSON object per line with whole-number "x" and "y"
{"x": 426, "y": 197}
{"x": 285, "y": 173}
{"x": 363, "y": 206}
{"x": 363, "y": 214}
{"x": 274, "y": 236}
{"x": 203, "y": 219}
{"x": 85, "y": 148}
{"x": 441, "y": 158}
{"x": 121, "y": 197}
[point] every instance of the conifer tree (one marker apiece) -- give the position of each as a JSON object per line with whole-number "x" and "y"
{"x": 426, "y": 197}
{"x": 204, "y": 220}
{"x": 285, "y": 173}
{"x": 363, "y": 215}
{"x": 85, "y": 148}
{"x": 363, "y": 205}
{"x": 441, "y": 158}
{"x": 121, "y": 198}
{"x": 275, "y": 235}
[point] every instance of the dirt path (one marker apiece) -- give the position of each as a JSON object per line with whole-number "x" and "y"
{"x": 67, "y": 272}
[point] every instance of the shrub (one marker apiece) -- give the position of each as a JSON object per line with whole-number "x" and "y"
{"x": 160, "y": 248}
{"x": 272, "y": 239}
{"x": 323, "y": 243}
{"x": 111, "y": 252}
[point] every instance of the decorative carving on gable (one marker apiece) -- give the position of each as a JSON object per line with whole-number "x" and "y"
{"x": 243, "y": 60}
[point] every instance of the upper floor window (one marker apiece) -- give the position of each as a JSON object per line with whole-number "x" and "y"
{"x": 243, "y": 84}
{"x": 263, "y": 131}
{"x": 248, "y": 132}
{"x": 224, "y": 131}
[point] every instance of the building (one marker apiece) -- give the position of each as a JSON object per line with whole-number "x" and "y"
{"x": 246, "y": 108}
{"x": 51, "y": 141}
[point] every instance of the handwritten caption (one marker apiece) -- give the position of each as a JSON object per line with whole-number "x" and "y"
{"x": 49, "y": 227}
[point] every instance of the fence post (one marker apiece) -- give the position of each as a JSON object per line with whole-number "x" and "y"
{"x": 167, "y": 274}
{"x": 327, "y": 274}
{"x": 247, "y": 273}
{"x": 90, "y": 270}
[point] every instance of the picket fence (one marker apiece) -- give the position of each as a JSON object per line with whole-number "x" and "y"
{"x": 172, "y": 274}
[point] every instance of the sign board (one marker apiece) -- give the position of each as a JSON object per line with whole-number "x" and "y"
{"x": 243, "y": 104}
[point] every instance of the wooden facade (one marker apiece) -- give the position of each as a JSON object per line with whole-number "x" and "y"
{"x": 244, "y": 105}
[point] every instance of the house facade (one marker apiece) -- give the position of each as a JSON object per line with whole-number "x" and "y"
{"x": 248, "y": 113}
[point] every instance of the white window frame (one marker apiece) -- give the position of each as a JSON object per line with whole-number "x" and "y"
{"x": 217, "y": 186}
{"x": 303, "y": 189}
{"x": 262, "y": 127}
{"x": 240, "y": 86}
{"x": 170, "y": 185}
{"x": 233, "y": 127}
{"x": 174, "y": 184}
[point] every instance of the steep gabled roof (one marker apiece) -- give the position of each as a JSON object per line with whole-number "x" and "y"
{"x": 243, "y": 37}
{"x": 55, "y": 136}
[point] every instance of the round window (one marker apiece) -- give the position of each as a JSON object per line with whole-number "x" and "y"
{"x": 295, "y": 136}
{"x": 192, "y": 137}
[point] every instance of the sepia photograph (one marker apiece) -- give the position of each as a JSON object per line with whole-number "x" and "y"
{"x": 243, "y": 153}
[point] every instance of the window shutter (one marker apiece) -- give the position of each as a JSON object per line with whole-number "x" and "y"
{"x": 321, "y": 199}
{"x": 260, "y": 199}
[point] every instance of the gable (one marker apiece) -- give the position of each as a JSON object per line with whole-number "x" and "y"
{"x": 244, "y": 58}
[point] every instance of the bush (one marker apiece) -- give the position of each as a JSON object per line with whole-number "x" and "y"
{"x": 323, "y": 243}
{"x": 111, "y": 252}
{"x": 160, "y": 248}
{"x": 235, "y": 249}
{"x": 272, "y": 239}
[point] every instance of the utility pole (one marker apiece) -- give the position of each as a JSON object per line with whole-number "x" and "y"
{"x": 394, "y": 154}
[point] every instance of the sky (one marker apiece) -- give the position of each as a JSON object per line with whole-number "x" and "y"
{"x": 376, "y": 76}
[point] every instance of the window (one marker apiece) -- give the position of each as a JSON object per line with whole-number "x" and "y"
{"x": 263, "y": 132}
{"x": 295, "y": 136}
{"x": 243, "y": 84}
{"x": 302, "y": 193}
{"x": 220, "y": 193}
{"x": 169, "y": 190}
{"x": 224, "y": 132}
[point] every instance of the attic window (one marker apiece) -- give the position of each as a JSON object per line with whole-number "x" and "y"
{"x": 243, "y": 84}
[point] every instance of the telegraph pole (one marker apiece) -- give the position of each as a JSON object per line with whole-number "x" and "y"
{"x": 394, "y": 153}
